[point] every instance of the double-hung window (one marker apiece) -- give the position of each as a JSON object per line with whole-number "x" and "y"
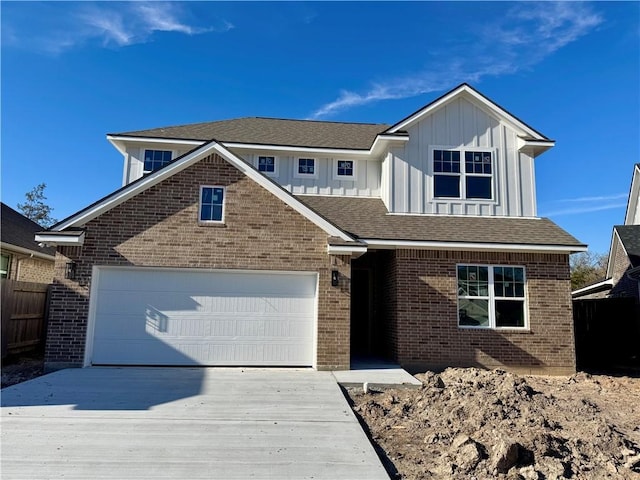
{"x": 156, "y": 159}
{"x": 5, "y": 262}
{"x": 491, "y": 296}
{"x": 211, "y": 204}
{"x": 463, "y": 174}
{"x": 344, "y": 170}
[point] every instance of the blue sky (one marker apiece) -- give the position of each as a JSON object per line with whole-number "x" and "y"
{"x": 75, "y": 71}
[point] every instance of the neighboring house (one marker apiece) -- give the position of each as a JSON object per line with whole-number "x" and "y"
{"x": 21, "y": 258}
{"x": 261, "y": 241}
{"x": 623, "y": 265}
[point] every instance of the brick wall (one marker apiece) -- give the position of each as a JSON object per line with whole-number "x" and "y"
{"x": 623, "y": 286}
{"x": 29, "y": 269}
{"x": 159, "y": 227}
{"x": 426, "y": 320}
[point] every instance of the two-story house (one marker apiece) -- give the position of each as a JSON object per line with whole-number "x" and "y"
{"x": 260, "y": 241}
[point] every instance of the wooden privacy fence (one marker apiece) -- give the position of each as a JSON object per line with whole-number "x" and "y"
{"x": 607, "y": 333}
{"x": 24, "y": 315}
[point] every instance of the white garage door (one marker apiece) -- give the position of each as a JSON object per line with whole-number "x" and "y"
{"x": 194, "y": 317}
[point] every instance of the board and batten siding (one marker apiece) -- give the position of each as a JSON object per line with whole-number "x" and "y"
{"x": 459, "y": 124}
{"x": 366, "y": 183}
{"x": 134, "y": 159}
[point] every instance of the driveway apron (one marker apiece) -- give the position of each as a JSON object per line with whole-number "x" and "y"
{"x": 183, "y": 423}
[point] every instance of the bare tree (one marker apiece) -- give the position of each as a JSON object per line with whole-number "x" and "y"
{"x": 35, "y": 207}
{"x": 587, "y": 268}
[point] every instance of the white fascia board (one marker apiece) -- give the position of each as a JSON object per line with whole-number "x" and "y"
{"x": 26, "y": 251}
{"x": 634, "y": 196}
{"x": 596, "y": 286}
{"x": 463, "y": 246}
{"x": 346, "y": 250}
{"x": 56, "y": 239}
{"x": 280, "y": 193}
{"x": 534, "y": 147}
{"x": 176, "y": 141}
{"x": 479, "y": 98}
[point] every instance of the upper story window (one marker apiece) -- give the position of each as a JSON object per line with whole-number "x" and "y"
{"x": 305, "y": 167}
{"x": 155, "y": 159}
{"x": 212, "y": 204}
{"x": 267, "y": 165}
{"x": 345, "y": 170}
{"x": 491, "y": 296}
{"x": 463, "y": 174}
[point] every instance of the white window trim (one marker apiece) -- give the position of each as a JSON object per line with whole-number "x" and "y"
{"x": 493, "y": 298}
{"x": 276, "y": 162}
{"x": 224, "y": 205}
{"x": 8, "y": 271}
{"x": 297, "y": 174}
{"x": 463, "y": 181}
{"x": 345, "y": 178}
{"x": 174, "y": 155}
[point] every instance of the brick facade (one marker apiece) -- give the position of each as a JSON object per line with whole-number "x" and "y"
{"x": 426, "y": 323}
{"x": 623, "y": 286}
{"x": 24, "y": 268}
{"x": 159, "y": 227}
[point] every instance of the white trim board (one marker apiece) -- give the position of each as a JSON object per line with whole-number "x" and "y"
{"x": 465, "y": 246}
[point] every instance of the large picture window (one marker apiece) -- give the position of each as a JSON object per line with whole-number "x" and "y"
{"x": 491, "y": 296}
{"x": 462, "y": 174}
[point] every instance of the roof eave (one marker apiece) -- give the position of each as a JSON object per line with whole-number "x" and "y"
{"x": 374, "y": 243}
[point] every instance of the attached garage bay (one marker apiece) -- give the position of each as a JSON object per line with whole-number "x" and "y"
{"x": 149, "y": 316}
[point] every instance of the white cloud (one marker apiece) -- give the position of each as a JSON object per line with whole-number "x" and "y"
{"x": 527, "y": 34}
{"x": 111, "y": 24}
{"x": 579, "y": 205}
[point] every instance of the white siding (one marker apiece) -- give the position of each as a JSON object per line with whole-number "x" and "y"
{"x": 461, "y": 124}
{"x": 365, "y": 184}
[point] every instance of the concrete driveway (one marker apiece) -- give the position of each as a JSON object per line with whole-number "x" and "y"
{"x": 183, "y": 423}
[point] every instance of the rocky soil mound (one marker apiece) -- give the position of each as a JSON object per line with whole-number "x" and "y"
{"x": 476, "y": 424}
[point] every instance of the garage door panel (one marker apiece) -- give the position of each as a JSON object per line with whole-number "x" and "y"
{"x": 211, "y": 318}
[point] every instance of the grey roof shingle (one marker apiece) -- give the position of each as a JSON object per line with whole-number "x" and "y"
{"x": 630, "y": 238}
{"x": 18, "y": 230}
{"x": 273, "y": 131}
{"x": 368, "y": 218}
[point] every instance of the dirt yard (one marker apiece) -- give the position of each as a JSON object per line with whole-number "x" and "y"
{"x": 21, "y": 368}
{"x": 476, "y": 424}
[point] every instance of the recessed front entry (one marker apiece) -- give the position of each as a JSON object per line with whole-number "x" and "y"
{"x": 148, "y": 316}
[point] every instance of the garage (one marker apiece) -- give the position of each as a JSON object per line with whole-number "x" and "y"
{"x": 152, "y": 316}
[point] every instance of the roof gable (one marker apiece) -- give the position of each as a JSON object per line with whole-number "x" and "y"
{"x": 629, "y": 236}
{"x": 632, "y": 214}
{"x": 80, "y": 218}
{"x": 466, "y": 91}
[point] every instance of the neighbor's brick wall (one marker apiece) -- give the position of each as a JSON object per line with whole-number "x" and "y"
{"x": 427, "y": 324}
{"x": 159, "y": 227}
{"x": 623, "y": 286}
{"x": 29, "y": 269}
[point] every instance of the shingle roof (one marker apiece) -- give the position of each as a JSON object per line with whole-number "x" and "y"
{"x": 630, "y": 238}
{"x": 368, "y": 218}
{"x": 18, "y": 230}
{"x": 273, "y": 131}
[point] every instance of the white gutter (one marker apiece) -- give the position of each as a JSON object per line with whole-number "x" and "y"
{"x": 26, "y": 251}
{"x": 596, "y": 286}
{"x": 482, "y": 247}
{"x": 57, "y": 239}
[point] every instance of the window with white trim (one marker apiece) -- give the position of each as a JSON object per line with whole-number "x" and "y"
{"x": 156, "y": 159}
{"x": 5, "y": 262}
{"x": 305, "y": 167}
{"x": 464, "y": 174}
{"x": 211, "y": 204}
{"x": 345, "y": 169}
{"x": 267, "y": 165}
{"x": 491, "y": 296}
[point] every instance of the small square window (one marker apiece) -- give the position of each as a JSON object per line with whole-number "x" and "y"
{"x": 267, "y": 164}
{"x": 345, "y": 168}
{"x": 212, "y": 204}
{"x": 306, "y": 167}
{"x": 156, "y": 159}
